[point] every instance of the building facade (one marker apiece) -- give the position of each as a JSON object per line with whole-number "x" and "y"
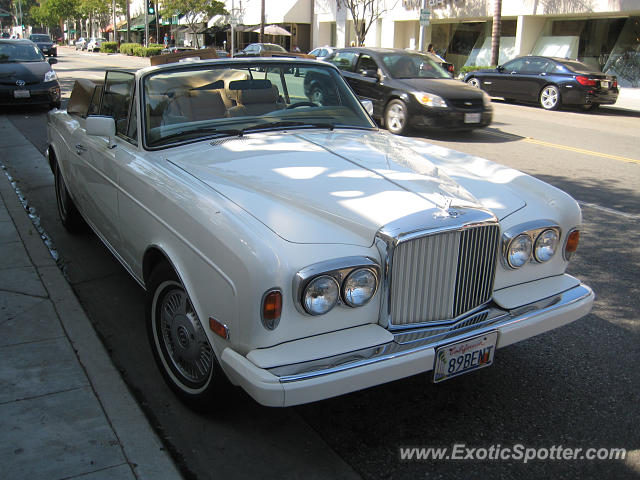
{"x": 602, "y": 33}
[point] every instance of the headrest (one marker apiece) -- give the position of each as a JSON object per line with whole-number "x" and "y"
{"x": 249, "y": 84}
{"x": 247, "y": 97}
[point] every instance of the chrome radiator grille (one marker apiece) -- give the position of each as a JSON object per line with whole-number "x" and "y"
{"x": 439, "y": 277}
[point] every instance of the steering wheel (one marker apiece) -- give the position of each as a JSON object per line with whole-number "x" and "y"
{"x": 301, "y": 104}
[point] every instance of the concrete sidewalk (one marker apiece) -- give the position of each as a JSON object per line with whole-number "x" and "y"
{"x": 65, "y": 412}
{"x": 628, "y": 99}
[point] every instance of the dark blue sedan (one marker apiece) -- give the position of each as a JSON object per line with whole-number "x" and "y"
{"x": 549, "y": 81}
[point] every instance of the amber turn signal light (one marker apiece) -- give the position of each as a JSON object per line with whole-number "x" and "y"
{"x": 571, "y": 245}
{"x": 218, "y": 328}
{"x": 271, "y": 309}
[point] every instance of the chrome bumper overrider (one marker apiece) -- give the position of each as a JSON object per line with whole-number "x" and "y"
{"x": 412, "y": 341}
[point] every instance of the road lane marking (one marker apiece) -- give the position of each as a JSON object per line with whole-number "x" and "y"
{"x": 612, "y": 211}
{"x": 563, "y": 147}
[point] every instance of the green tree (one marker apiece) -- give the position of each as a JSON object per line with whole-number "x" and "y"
{"x": 193, "y": 11}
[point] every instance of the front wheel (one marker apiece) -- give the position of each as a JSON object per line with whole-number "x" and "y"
{"x": 473, "y": 82}
{"x": 180, "y": 345}
{"x": 396, "y": 117}
{"x": 550, "y": 97}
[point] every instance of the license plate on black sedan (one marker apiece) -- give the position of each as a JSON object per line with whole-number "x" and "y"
{"x": 465, "y": 356}
{"x": 472, "y": 117}
{"x": 21, "y": 94}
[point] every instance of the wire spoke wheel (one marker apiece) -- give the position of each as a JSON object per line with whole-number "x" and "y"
{"x": 182, "y": 339}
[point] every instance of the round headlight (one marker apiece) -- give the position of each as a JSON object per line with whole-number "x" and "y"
{"x": 546, "y": 245}
{"x": 359, "y": 287}
{"x": 519, "y": 251}
{"x": 321, "y": 295}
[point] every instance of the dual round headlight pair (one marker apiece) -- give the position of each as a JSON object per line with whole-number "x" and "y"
{"x": 323, "y": 292}
{"x": 542, "y": 247}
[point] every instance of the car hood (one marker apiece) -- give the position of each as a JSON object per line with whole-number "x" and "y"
{"x": 30, "y": 72}
{"x": 330, "y": 187}
{"x": 444, "y": 87}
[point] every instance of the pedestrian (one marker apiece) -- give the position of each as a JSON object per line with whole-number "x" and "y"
{"x": 166, "y": 40}
{"x": 152, "y": 39}
{"x": 173, "y": 40}
{"x": 296, "y": 48}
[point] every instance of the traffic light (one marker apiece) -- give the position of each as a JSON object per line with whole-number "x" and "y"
{"x": 151, "y": 8}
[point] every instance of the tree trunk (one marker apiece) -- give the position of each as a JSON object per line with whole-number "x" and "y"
{"x": 128, "y": 22}
{"x": 262, "y": 22}
{"x": 495, "y": 32}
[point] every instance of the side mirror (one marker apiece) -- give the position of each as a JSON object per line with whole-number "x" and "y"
{"x": 101, "y": 126}
{"x": 368, "y": 106}
{"x": 52, "y": 61}
{"x": 500, "y": 68}
{"x": 369, "y": 73}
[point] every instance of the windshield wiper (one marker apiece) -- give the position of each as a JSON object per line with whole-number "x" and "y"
{"x": 231, "y": 132}
{"x": 289, "y": 123}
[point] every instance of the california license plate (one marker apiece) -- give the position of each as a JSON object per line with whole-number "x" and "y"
{"x": 472, "y": 117}
{"x": 604, "y": 83}
{"x": 21, "y": 94}
{"x": 465, "y": 356}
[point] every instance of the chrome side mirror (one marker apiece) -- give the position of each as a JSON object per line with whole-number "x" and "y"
{"x": 101, "y": 126}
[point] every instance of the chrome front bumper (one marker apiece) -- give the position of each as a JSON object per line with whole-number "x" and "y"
{"x": 409, "y": 353}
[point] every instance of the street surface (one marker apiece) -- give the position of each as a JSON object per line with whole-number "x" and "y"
{"x": 578, "y": 386}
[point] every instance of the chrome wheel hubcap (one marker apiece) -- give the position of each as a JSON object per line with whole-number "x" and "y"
{"x": 549, "y": 97}
{"x": 474, "y": 83}
{"x": 184, "y": 338}
{"x": 395, "y": 118}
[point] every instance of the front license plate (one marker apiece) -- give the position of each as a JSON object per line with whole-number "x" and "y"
{"x": 472, "y": 117}
{"x": 21, "y": 94}
{"x": 465, "y": 356}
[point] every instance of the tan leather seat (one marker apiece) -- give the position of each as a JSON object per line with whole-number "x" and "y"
{"x": 253, "y": 97}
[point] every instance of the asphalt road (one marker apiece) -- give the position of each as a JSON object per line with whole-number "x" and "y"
{"x": 577, "y": 386}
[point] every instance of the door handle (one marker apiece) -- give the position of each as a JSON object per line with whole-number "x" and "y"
{"x": 80, "y": 149}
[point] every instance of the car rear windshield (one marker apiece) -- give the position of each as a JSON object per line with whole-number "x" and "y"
{"x": 412, "y": 65}
{"x": 40, "y": 38}
{"x": 20, "y": 52}
{"x": 271, "y": 47}
{"x": 233, "y": 98}
{"x": 578, "y": 67}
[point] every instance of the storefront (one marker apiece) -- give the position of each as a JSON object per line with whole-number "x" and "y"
{"x": 603, "y": 34}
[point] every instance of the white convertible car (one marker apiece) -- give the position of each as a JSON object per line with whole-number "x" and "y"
{"x": 288, "y": 245}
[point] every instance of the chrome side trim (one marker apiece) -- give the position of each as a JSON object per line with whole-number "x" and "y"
{"x": 428, "y": 338}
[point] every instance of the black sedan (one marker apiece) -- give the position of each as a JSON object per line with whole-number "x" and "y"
{"x": 45, "y": 44}
{"x": 411, "y": 89}
{"x": 549, "y": 81}
{"x": 26, "y": 77}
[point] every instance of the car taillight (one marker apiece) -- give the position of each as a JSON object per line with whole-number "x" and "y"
{"x": 582, "y": 80}
{"x": 615, "y": 83}
{"x": 451, "y": 68}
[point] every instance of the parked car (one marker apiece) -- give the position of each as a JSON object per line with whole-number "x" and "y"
{"x": 94, "y": 44}
{"x": 45, "y": 44}
{"x": 294, "y": 248}
{"x": 175, "y": 49}
{"x": 409, "y": 89}
{"x": 258, "y": 49}
{"x": 26, "y": 77}
{"x": 81, "y": 43}
{"x": 550, "y": 82}
{"x": 321, "y": 53}
{"x": 442, "y": 62}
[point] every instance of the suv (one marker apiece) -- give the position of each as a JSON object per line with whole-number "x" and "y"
{"x": 45, "y": 44}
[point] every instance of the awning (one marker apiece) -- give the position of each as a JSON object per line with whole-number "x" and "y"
{"x": 273, "y": 30}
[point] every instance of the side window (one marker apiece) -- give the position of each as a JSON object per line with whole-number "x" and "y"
{"x": 116, "y": 99}
{"x": 366, "y": 63}
{"x": 132, "y": 129}
{"x": 514, "y": 65}
{"x": 344, "y": 61}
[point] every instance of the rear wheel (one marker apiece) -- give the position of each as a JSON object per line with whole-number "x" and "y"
{"x": 396, "y": 117}
{"x": 67, "y": 211}
{"x": 550, "y": 97}
{"x": 180, "y": 345}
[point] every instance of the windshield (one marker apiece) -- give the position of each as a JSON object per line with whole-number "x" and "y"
{"x": 20, "y": 52}
{"x": 40, "y": 38}
{"x": 271, "y": 47}
{"x": 412, "y": 65}
{"x": 234, "y": 98}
